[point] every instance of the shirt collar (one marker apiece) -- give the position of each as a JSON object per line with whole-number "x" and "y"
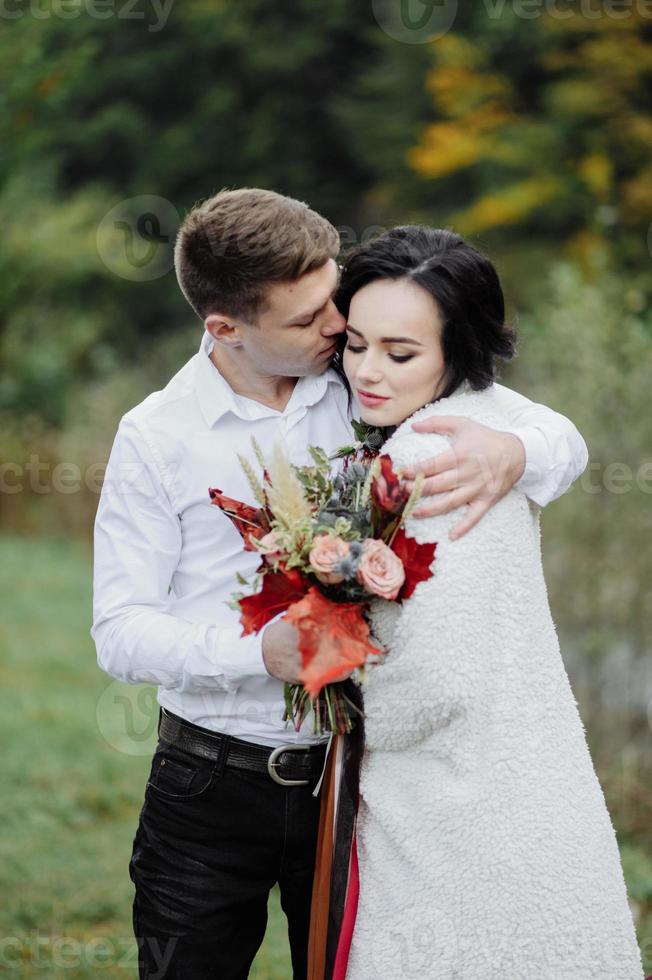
{"x": 216, "y": 397}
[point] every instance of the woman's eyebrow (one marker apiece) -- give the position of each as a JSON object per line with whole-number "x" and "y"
{"x": 400, "y": 340}
{"x": 388, "y": 340}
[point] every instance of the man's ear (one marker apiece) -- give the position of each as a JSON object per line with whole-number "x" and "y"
{"x": 224, "y": 329}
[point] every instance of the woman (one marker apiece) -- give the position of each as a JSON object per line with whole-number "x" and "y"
{"x": 484, "y": 843}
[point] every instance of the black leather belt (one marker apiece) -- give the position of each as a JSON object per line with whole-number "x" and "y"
{"x": 288, "y": 765}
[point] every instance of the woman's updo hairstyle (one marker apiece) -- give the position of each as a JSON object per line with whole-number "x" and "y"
{"x": 461, "y": 280}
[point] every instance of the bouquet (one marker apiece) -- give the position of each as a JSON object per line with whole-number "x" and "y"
{"x": 329, "y": 543}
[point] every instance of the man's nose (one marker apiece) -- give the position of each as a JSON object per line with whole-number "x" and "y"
{"x": 334, "y": 322}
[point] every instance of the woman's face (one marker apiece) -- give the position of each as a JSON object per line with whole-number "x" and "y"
{"x": 393, "y": 357}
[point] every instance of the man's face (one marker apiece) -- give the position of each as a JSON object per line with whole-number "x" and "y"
{"x": 296, "y": 333}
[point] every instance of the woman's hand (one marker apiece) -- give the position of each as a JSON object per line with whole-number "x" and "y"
{"x": 481, "y": 466}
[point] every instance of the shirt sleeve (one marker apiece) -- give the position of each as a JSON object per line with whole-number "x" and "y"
{"x": 137, "y": 544}
{"x": 555, "y": 452}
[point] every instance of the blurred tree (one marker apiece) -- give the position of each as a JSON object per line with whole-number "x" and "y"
{"x": 546, "y": 130}
{"x": 222, "y": 94}
{"x": 95, "y": 111}
{"x": 587, "y": 349}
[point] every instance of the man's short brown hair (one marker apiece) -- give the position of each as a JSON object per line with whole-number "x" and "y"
{"x": 233, "y": 245}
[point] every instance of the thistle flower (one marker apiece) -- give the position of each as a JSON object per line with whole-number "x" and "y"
{"x": 374, "y": 439}
{"x": 347, "y": 568}
{"x": 355, "y": 472}
{"x": 355, "y": 549}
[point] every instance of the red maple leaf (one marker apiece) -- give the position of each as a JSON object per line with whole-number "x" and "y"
{"x": 280, "y": 589}
{"x": 333, "y": 639}
{"x": 250, "y": 522}
{"x": 416, "y": 558}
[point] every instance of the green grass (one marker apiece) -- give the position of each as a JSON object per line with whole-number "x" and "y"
{"x": 69, "y": 795}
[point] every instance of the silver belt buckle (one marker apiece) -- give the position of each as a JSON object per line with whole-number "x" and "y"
{"x": 272, "y": 762}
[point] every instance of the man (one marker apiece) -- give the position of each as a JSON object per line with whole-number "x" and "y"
{"x": 227, "y": 814}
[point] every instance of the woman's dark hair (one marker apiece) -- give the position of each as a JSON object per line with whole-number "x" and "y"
{"x": 461, "y": 280}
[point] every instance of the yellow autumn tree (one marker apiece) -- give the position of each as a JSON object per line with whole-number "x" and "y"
{"x": 550, "y": 131}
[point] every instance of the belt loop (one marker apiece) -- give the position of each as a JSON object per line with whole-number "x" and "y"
{"x": 158, "y": 727}
{"x": 220, "y": 762}
{"x": 329, "y": 745}
{"x": 172, "y": 726}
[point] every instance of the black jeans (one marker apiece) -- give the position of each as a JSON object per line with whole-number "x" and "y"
{"x": 211, "y": 843}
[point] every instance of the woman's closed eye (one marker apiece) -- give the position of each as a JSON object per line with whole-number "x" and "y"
{"x": 399, "y": 358}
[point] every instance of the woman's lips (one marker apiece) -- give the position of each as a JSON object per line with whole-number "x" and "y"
{"x": 371, "y": 401}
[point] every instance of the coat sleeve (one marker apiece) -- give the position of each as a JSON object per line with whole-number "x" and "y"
{"x": 436, "y": 672}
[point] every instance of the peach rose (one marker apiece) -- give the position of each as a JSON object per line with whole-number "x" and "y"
{"x": 380, "y": 570}
{"x": 325, "y": 554}
{"x": 269, "y": 546}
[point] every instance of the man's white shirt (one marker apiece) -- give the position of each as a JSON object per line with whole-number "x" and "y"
{"x": 166, "y": 559}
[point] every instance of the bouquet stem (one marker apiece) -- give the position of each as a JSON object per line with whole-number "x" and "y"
{"x": 332, "y": 710}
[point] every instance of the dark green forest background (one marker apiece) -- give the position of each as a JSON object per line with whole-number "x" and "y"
{"x": 527, "y": 130}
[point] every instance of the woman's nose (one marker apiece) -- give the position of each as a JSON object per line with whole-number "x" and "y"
{"x": 369, "y": 368}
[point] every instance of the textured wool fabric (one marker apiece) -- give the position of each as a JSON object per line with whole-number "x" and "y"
{"x": 486, "y": 850}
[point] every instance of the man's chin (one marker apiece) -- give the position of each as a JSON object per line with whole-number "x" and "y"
{"x": 318, "y": 367}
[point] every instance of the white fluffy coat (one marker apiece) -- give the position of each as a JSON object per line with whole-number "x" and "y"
{"x": 486, "y": 849}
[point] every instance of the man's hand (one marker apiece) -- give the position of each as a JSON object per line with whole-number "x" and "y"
{"x": 480, "y": 467}
{"x": 281, "y": 652}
